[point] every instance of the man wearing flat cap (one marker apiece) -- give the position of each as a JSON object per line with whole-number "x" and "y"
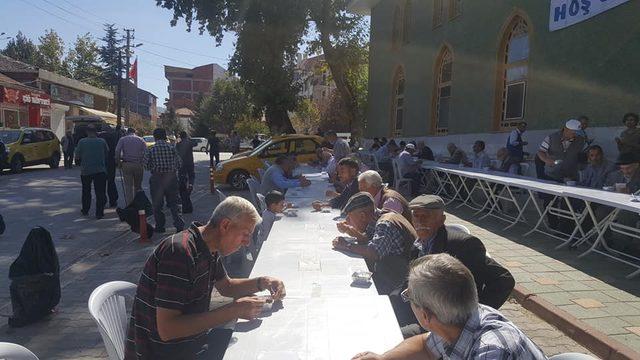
{"x": 493, "y": 282}
{"x": 388, "y": 249}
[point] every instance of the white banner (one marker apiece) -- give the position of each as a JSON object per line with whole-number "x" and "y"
{"x": 564, "y": 13}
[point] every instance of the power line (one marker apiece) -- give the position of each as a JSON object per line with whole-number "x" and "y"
{"x": 88, "y": 13}
{"x": 53, "y": 14}
{"x": 166, "y": 57}
{"x": 66, "y": 11}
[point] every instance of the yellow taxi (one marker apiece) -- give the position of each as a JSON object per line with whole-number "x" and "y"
{"x": 149, "y": 140}
{"x": 237, "y": 170}
{"x": 30, "y": 146}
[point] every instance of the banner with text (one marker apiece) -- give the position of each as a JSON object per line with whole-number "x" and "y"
{"x": 564, "y": 13}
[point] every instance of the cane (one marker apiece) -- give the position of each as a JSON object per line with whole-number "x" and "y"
{"x": 124, "y": 191}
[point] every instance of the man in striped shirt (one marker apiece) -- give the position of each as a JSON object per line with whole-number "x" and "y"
{"x": 444, "y": 299}
{"x": 171, "y": 317}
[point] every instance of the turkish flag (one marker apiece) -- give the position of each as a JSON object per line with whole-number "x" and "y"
{"x": 133, "y": 72}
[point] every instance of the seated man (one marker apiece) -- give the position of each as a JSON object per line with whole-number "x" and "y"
{"x": 480, "y": 158}
{"x": 456, "y": 155}
{"x": 595, "y": 174}
{"x": 388, "y": 250}
{"x": 424, "y": 152}
{"x": 385, "y": 198}
{"x": 409, "y": 168}
{"x": 444, "y": 299}
{"x": 348, "y": 174}
{"x": 629, "y": 176}
{"x": 275, "y": 178}
{"x": 507, "y": 163}
{"x": 170, "y": 318}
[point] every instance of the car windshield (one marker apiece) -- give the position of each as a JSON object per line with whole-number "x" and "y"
{"x": 262, "y": 146}
{"x": 9, "y": 136}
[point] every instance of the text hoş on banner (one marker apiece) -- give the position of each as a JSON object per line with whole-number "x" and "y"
{"x": 564, "y": 13}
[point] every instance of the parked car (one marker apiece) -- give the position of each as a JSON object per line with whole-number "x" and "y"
{"x": 149, "y": 140}
{"x": 237, "y": 170}
{"x": 199, "y": 144}
{"x": 30, "y": 146}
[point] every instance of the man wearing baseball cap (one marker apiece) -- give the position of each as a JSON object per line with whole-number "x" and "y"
{"x": 388, "y": 249}
{"x": 559, "y": 153}
{"x": 494, "y": 283}
{"x": 408, "y": 167}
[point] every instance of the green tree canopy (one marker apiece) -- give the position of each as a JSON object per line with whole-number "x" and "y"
{"x": 110, "y": 56}
{"x": 51, "y": 49}
{"x": 228, "y": 103}
{"x": 248, "y": 127}
{"x": 83, "y": 61}
{"x": 22, "y": 49}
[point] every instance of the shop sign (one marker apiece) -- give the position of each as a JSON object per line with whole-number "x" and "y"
{"x": 21, "y": 97}
{"x": 67, "y": 95}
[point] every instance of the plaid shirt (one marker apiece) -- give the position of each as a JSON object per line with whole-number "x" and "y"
{"x": 162, "y": 158}
{"x": 486, "y": 335}
{"x": 387, "y": 240}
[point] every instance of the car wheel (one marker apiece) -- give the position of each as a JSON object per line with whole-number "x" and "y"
{"x": 17, "y": 163}
{"x": 203, "y": 149}
{"x": 238, "y": 180}
{"x": 54, "y": 162}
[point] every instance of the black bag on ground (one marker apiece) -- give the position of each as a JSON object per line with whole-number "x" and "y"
{"x": 35, "y": 279}
{"x": 130, "y": 213}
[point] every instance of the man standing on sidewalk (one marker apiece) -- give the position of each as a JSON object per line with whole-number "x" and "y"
{"x": 163, "y": 161}
{"x": 129, "y": 153}
{"x": 111, "y": 137}
{"x": 92, "y": 154}
{"x": 213, "y": 149}
{"x": 68, "y": 147}
{"x": 186, "y": 174}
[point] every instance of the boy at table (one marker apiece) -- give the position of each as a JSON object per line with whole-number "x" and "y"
{"x": 275, "y": 205}
{"x": 170, "y": 318}
{"x": 348, "y": 170}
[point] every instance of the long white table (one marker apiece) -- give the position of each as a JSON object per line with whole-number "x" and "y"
{"x": 454, "y": 182}
{"x": 324, "y": 315}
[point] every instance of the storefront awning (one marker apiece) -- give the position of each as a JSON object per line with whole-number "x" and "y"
{"x": 110, "y": 118}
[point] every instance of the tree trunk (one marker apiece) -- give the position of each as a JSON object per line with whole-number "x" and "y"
{"x": 278, "y": 120}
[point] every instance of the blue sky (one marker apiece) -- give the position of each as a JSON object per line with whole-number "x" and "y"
{"x": 162, "y": 44}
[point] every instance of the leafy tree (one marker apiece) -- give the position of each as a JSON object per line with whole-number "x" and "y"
{"x": 83, "y": 61}
{"x": 110, "y": 56}
{"x": 248, "y": 127}
{"x": 51, "y": 49}
{"x": 269, "y": 33}
{"x": 22, "y": 49}
{"x": 306, "y": 117}
{"x": 169, "y": 121}
{"x": 228, "y": 102}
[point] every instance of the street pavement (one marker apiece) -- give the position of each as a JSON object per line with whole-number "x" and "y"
{"x": 93, "y": 252}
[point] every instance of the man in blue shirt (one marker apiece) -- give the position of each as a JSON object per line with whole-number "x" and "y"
{"x": 275, "y": 178}
{"x": 92, "y": 155}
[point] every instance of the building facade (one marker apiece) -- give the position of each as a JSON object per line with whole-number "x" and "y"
{"x": 314, "y": 77}
{"x": 453, "y": 70}
{"x": 68, "y": 97}
{"x": 143, "y": 105}
{"x": 187, "y": 86}
{"x": 22, "y": 106}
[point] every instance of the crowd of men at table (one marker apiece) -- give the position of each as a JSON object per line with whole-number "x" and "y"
{"x": 444, "y": 288}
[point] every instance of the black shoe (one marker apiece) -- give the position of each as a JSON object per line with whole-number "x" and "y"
{"x": 84, "y": 213}
{"x": 98, "y": 217}
{"x": 115, "y": 205}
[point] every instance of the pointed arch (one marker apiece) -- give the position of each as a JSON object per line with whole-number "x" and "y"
{"x": 398, "y": 104}
{"x": 441, "y": 96}
{"x": 512, "y": 75}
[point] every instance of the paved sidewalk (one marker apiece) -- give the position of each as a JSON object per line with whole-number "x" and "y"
{"x": 592, "y": 289}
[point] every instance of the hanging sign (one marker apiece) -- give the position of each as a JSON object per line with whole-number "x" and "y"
{"x": 565, "y": 13}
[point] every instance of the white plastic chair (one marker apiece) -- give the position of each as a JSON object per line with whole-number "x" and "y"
{"x": 254, "y": 185}
{"x": 9, "y": 351}
{"x": 458, "y": 227}
{"x": 108, "y": 308}
{"x": 398, "y": 180}
{"x": 572, "y": 356}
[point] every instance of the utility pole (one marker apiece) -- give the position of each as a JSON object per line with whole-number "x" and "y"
{"x": 129, "y": 38}
{"x": 119, "y": 87}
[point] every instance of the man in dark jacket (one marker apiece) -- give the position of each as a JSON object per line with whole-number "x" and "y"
{"x": 111, "y": 137}
{"x": 186, "y": 174}
{"x": 213, "y": 149}
{"x": 494, "y": 282}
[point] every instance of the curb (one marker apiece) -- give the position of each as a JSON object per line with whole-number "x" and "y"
{"x": 597, "y": 342}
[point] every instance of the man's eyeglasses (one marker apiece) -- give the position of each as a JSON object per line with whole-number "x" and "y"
{"x": 405, "y": 295}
